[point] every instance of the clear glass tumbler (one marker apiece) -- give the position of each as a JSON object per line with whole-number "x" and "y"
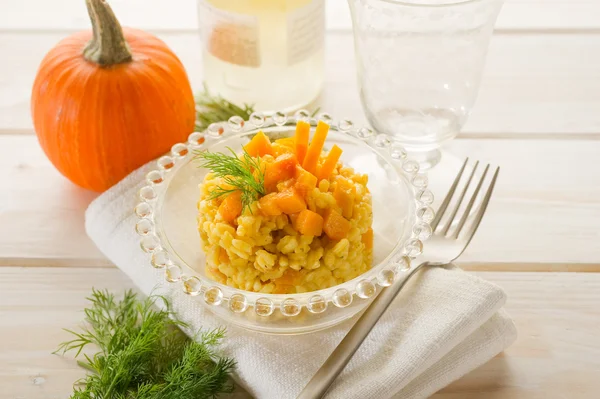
{"x": 419, "y": 66}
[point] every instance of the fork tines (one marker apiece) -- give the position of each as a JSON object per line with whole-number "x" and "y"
{"x": 470, "y": 211}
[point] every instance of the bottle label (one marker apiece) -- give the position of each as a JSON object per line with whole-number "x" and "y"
{"x": 305, "y": 31}
{"x": 229, "y": 36}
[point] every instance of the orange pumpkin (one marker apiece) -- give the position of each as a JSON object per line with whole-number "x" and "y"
{"x": 107, "y": 101}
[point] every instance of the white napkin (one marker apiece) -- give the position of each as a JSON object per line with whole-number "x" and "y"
{"x": 443, "y": 325}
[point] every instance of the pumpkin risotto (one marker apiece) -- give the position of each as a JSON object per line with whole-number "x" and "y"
{"x": 285, "y": 217}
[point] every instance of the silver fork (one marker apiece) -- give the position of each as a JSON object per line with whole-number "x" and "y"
{"x": 446, "y": 244}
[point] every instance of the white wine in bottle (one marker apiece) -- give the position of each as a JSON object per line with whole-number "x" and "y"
{"x": 264, "y": 52}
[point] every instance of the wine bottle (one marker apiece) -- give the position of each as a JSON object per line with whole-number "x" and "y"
{"x": 268, "y": 53}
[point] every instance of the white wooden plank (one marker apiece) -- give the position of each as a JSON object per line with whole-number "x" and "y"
{"x": 555, "y": 356}
{"x": 516, "y": 15}
{"x": 71, "y": 15}
{"x": 543, "y": 213}
{"x": 556, "y": 352}
{"x": 41, "y": 213}
{"x": 28, "y": 369}
{"x": 163, "y": 15}
{"x": 532, "y": 84}
{"x": 541, "y": 210}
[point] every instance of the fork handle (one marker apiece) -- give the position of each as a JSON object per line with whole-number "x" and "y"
{"x": 341, "y": 355}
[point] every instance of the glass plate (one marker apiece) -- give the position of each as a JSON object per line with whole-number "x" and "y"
{"x": 401, "y": 213}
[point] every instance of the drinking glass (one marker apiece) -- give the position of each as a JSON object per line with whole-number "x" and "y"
{"x": 419, "y": 66}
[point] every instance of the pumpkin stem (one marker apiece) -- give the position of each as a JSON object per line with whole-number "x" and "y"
{"x": 108, "y": 46}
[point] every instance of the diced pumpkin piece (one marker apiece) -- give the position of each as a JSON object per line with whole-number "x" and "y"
{"x": 260, "y": 145}
{"x": 290, "y": 201}
{"x": 285, "y": 185}
{"x": 287, "y": 142}
{"x": 280, "y": 149}
{"x": 305, "y": 181}
{"x": 330, "y": 162}
{"x": 283, "y": 289}
{"x": 316, "y": 146}
{"x": 335, "y": 226}
{"x": 231, "y": 207}
{"x": 301, "y": 139}
{"x": 293, "y": 219}
{"x": 290, "y": 277}
{"x": 309, "y": 223}
{"x": 344, "y": 197}
{"x": 268, "y": 205}
{"x": 367, "y": 238}
{"x": 283, "y": 168}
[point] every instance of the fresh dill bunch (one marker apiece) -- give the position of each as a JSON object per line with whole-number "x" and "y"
{"x": 239, "y": 174}
{"x": 143, "y": 354}
{"x": 213, "y": 108}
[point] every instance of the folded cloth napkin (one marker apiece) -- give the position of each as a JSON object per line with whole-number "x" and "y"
{"x": 444, "y": 324}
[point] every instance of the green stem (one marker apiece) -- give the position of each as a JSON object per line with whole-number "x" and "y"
{"x": 108, "y": 45}
{"x": 86, "y": 366}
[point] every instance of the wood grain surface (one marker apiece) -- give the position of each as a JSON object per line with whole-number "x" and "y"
{"x": 537, "y": 116}
{"x": 534, "y": 85}
{"x": 556, "y": 355}
{"x": 543, "y": 215}
{"x": 181, "y": 15}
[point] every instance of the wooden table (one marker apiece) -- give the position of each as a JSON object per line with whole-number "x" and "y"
{"x": 538, "y": 116}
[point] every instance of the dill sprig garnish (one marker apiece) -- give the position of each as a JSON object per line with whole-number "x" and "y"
{"x": 144, "y": 354}
{"x": 213, "y": 108}
{"x": 243, "y": 174}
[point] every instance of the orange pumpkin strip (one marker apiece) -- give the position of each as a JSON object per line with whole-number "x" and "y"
{"x": 301, "y": 137}
{"x": 330, "y": 162}
{"x": 316, "y": 146}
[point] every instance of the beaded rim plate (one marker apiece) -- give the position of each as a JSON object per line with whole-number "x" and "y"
{"x": 236, "y": 300}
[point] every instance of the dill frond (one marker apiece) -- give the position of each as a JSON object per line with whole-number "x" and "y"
{"x": 212, "y": 109}
{"x": 242, "y": 174}
{"x": 143, "y": 354}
